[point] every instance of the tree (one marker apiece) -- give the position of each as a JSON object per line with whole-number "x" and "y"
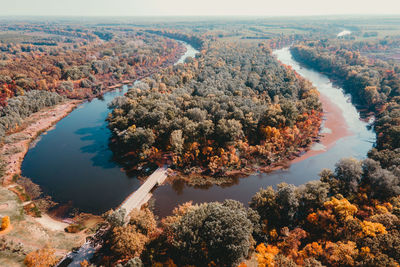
{"x": 134, "y": 262}
{"x": 266, "y": 255}
{"x": 229, "y": 130}
{"x": 348, "y": 172}
{"x": 340, "y": 253}
{"x": 312, "y": 196}
{"x": 177, "y": 141}
{"x": 44, "y": 257}
{"x": 116, "y": 218}
{"x": 384, "y": 184}
{"x": 264, "y": 202}
{"x": 288, "y": 202}
{"x": 144, "y": 221}
{"x": 372, "y": 228}
{"x": 127, "y": 242}
{"x": 5, "y": 222}
{"x": 213, "y": 232}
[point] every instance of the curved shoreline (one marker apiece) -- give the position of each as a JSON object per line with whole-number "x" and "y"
{"x": 334, "y": 128}
{"x": 334, "y": 120}
{"x": 34, "y": 125}
{"x": 22, "y": 139}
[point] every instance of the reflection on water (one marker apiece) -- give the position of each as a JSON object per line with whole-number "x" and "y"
{"x": 190, "y": 52}
{"x": 357, "y": 145}
{"x": 73, "y": 162}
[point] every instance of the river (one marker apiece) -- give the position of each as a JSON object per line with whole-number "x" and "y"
{"x": 343, "y": 33}
{"x": 356, "y": 143}
{"x": 73, "y": 163}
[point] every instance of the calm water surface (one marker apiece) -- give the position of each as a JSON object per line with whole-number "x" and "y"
{"x": 357, "y": 145}
{"x": 73, "y": 163}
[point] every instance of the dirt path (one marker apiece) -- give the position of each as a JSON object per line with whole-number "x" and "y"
{"x": 17, "y": 144}
{"x": 32, "y": 233}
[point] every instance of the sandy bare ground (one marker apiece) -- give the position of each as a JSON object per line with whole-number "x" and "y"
{"x": 336, "y": 126}
{"x": 49, "y": 223}
{"x": 32, "y": 233}
{"x": 17, "y": 144}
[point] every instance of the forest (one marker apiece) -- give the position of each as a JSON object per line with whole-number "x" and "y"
{"x": 232, "y": 108}
{"x": 78, "y": 64}
{"x": 373, "y": 83}
{"x": 349, "y": 217}
{"x": 229, "y": 108}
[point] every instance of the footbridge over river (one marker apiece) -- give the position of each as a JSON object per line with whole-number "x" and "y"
{"x": 133, "y": 201}
{"x": 143, "y": 193}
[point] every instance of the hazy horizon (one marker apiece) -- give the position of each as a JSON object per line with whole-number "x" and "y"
{"x": 159, "y": 8}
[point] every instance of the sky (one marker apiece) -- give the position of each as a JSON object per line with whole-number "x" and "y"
{"x": 197, "y": 7}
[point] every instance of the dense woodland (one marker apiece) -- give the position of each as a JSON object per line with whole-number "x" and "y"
{"x": 85, "y": 68}
{"x": 75, "y": 62}
{"x": 350, "y": 217}
{"x": 232, "y": 106}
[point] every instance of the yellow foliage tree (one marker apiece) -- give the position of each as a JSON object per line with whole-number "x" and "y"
{"x": 340, "y": 253}
{"x": 127, "y": 241}
{"x": 266, "y": 255}
{"x": 311, "y": 250}
{"x": 343, "y": 208}
{"x": 372, "y": 228}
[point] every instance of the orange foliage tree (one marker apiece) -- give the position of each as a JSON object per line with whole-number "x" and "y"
{"x": 5, "y": 222}
{"x": 44, "y": 257}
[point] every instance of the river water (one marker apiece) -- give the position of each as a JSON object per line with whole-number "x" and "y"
{"x": 356, "y": 145}
{"x": 73, "y": 163}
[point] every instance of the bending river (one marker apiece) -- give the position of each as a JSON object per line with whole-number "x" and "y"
{"x": 73, "y": 164}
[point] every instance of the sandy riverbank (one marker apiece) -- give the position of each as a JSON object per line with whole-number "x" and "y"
{"x": 32, "y": 233}
{"x": 17, "y": 144}
{"x": 334, "y": 128}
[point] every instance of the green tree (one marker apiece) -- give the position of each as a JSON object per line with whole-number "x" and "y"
{"x": 213, "y": 232}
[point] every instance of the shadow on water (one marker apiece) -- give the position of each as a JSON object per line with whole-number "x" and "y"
{"x": 73, "y": 162}
{"x": 97, "y": 147}
{"x": 357, "y": 145}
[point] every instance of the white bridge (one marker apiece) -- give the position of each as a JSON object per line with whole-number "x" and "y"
{"x": 133, "y": 201}
{"x": 143, "y": 193}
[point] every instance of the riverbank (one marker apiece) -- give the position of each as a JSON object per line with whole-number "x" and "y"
{"x": 32, "y": 232}
{"x": 343, "y": 134}
{"x": 28, "y": 234}
{"x": 334, "y": 128}
{"x": 16, "y": 145}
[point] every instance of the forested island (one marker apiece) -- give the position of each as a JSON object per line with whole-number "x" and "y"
{"x": 231, "y": 110}
{"x": 228, "y": 109}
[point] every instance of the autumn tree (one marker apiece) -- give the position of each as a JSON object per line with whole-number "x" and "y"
{"x": 44, "y": 257}
{"x": 127, "y": 241}
{"x": 5, "y": 222}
